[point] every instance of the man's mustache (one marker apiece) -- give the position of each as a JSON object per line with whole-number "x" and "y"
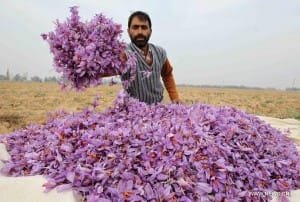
{"x": 140, "y": 36}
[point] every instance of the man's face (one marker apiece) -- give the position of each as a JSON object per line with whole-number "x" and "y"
{"x": 139, "y": 32}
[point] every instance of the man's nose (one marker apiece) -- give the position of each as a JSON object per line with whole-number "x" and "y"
{"x": 140, "y": 30}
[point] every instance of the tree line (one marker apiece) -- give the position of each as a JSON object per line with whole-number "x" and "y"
{"x": 24, "y": 77}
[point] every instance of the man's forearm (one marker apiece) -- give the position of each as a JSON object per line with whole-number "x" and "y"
{"x": 171, "y": 87}
{"x": 109, "y": 75}
{"x": 169, "y": 81}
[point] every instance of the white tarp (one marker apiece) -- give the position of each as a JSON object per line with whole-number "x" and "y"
{"x": 29, "y": 189}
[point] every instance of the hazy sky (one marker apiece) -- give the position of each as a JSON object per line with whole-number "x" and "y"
{"x": 229, "y": 42}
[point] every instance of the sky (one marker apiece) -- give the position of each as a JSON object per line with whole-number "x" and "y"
{"x": 252, "y": 43}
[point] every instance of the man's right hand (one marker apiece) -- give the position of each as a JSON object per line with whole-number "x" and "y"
{"x": 123, "y": 57}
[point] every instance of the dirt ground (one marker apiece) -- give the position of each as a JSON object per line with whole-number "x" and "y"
{"x": 28, "y": 102}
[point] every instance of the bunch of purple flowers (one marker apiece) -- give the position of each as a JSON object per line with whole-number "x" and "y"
{"x": 137, "y": 152}
{"x": 86, "y": 51}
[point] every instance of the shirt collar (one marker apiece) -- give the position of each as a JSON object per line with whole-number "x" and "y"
{"x": 141, "y": 52}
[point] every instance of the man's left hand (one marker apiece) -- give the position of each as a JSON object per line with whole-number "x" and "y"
{"x": 177, "y": 101}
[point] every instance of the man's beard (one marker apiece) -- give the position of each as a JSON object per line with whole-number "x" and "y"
{"x": 140, "y": 40}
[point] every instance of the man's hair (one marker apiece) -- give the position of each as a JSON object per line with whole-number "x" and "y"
{"x": 141, "y": 15}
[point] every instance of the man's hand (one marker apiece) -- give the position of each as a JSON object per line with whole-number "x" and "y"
{"x": 123, "y": 57}
{"x": 177, "y": 101}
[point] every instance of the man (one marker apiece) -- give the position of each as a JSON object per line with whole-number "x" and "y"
{"x": 152, "y": 60}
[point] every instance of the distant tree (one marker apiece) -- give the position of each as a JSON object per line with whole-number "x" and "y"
{"x": 292, "y": 89}
{"x": 51, "y": 79}
{"x": 3, "y": 77}
{"x": 19, "y": 77}
{"x": 36, "y": 79}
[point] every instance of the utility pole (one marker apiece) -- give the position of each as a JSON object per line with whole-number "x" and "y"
{"x": 7, "y": 75}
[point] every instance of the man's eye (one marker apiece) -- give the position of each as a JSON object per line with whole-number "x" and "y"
{"x": 144, "y": 27}
{"x": 135, "y": 27}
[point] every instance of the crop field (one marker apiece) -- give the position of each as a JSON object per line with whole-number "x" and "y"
{"x": 28, "y": 102}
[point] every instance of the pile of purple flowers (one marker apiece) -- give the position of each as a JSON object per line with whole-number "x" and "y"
{"x": 85, "y": 51}
{"x": 137, "y": 152}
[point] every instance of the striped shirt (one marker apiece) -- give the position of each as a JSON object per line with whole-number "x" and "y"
{"x": 147, "y": 86}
